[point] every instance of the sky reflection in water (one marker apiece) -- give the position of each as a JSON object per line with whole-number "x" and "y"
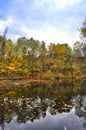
{"x": 45, "y": 109}
{"x": 50, "y": 122}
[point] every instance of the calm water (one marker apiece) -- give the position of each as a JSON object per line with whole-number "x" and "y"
{"x": 54, "y": 106}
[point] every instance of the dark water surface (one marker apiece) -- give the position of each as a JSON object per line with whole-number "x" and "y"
{"x": 44, "y": 107}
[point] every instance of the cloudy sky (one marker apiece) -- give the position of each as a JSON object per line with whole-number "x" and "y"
{"x": 54, "y": 21}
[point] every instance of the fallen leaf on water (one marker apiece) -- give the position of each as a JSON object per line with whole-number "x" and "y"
{"x": 65, "y": 128}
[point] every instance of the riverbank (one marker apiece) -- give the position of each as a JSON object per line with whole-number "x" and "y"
{"x": 47, "y": 77}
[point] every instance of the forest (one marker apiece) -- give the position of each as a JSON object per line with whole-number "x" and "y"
{"x": 32, "y": 59}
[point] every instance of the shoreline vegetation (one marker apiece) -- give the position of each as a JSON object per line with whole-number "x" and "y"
{"x": 44, "y": 78}
{"x": 31, "y": 60}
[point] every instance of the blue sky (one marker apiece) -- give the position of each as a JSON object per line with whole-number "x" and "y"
{"x": 54, "y": 21}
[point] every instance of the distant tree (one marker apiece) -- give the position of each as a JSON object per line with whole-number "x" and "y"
{"x": 56, "y": 50}
{"x": 32, "y": 47}
{"x": 20, "y": 48}
{"x": 83, "y": 31}
{"x": 3, "y": 44}
{"x": 42, "y": 55}
{"x": 42, "y": 49}
{"x": 83, "y": 37}
{"x": 9, "y": 48}
{"x": 77, "y": 49}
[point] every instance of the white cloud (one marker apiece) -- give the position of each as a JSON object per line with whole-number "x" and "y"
{"x": 6, "y": 23}
{"x": 61, "y": 4}
{"x": 65, "y": 3}
{"x": 50, "y": 36}
{"x": 42, "y": 27}
{"x": 13, "y": 37}
{"x": 40, "y": 2}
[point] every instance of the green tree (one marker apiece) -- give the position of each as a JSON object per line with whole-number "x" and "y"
{"x": 3, "y": 44}
{"x": 32, "y": 47}
{"x": 42, "y": 55}
{"x": 9, "y": 48}
{"x": 77, "y": 49}
{"x": 2, "y": 47}
{"x": 32, "y": 54}
{"x": 20, "y": 48}
{"x": 83, "y": 31}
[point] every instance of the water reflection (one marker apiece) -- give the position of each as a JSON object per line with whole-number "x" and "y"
{"x": 80, "y": 108}
{"x": 33, "y": 102}
{"x": 30, "y": 108}
{"x": 2, "y": 113}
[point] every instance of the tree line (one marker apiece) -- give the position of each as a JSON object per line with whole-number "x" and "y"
{"x": 31, "y": 57}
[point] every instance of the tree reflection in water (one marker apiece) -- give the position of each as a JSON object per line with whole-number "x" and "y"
{"x": 80, "y": 108}
{"x": 32, "y": 102}
{"x": 2, "y": 113}
{"x": 30, "y": 109}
